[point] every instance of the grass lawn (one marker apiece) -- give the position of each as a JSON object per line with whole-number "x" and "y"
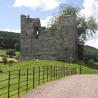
{"x": 23, "y": 80}
{"x": 3, "y": 52}
{"x": 30, "y": 64}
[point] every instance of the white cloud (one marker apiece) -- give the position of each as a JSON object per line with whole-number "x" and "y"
{"x": 43, "y": 4}
{"x": 90, "y": 8}
{"x": 44, "y": 22}
{"x": 93, "y": 42}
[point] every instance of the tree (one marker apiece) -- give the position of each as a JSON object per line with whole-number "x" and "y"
{"x": 17, "y": 46}
{"x": 86, "y": 25}
{"x": 9, "y": 39}
{"x": 11, "y": 52}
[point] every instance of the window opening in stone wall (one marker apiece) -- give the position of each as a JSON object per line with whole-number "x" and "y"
{"x": 26, "y": 49}
{"x": 26, "y": 34}
{"x": 66, "y": 49}
{"x": 36, "y": 33}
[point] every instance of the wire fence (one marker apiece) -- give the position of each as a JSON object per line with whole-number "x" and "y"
{"x": 16, "y": 83}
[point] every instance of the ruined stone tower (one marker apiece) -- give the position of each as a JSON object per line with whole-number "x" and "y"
{"x": 56, "y": 43}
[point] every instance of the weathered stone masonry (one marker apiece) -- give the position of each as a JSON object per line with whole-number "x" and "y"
{"x": 56, "y": 43}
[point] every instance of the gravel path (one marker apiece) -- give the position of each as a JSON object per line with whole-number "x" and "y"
{"x": 77, "y": 86}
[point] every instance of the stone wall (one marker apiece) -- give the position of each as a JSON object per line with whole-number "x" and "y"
{"x": 56, "y": 43}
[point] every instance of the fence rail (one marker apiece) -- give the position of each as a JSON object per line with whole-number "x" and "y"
{"x": 18, "y": 82}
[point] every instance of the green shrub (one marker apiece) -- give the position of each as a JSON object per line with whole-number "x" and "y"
{"x": 11, "y": 52}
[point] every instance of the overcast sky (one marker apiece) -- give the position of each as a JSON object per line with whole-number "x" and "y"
{"x": 10, "y": 11}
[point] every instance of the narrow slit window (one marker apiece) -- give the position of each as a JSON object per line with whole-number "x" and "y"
{"x": 36, "y": 33}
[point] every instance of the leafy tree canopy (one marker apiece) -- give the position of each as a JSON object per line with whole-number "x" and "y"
{"x": 86, "y": 26}
{"x": 9, "y": 40}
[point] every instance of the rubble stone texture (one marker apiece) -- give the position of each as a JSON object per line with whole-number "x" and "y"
{"x": 54, "y": 43}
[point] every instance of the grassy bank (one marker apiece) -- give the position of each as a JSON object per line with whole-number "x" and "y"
{"x": 42, "y": 70}
{"x": 30, "y": 64}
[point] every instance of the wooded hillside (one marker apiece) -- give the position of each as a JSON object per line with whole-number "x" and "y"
{"x": 9, "y": 40}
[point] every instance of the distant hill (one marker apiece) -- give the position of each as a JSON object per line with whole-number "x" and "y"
{"x": 88, "y": 50}
{"x": 9, "y": 40}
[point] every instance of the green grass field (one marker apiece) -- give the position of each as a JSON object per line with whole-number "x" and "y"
{"x": 4, "y": 68}
{"x": 23, "y": 66}
{"x": 3, "y": 52}
{"x": 31, "y": 63}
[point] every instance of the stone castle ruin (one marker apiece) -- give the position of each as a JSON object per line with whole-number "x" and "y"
{"x": 58, "y": 43}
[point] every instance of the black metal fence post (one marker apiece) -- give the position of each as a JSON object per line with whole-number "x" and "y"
{"x": 47, "y": 73}
{"x": 80, "y": 70}
{"x": 51, "y": 72}
{"x": 27, "y": 81}
{"x": 9, "y": 84}
{"x": 19, "y": 83}
{"x": 75, "y": 70}
{"x": 39, "y": 77}
{"x": 56, "y": 72}
{"x": 33, "y": 77}
{"x": 43, "y": 73}
{"x": 64, "y": 71}
{"x": 71, "y": 71}
{"x": 60, "y": 71}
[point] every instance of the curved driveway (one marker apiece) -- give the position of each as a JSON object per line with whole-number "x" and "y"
{"x": 77, "y": 86}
